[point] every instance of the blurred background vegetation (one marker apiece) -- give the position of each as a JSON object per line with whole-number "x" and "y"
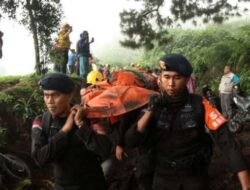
{"x": 209, "y": 50}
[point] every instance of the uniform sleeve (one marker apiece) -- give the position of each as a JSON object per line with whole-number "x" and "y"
{"x": 231, "y": 152}
{"x": 133, "y": 138}
{"x": 99, "y": 144}
{"x": 44, "y": 150}
{"x": 126, "y": 121}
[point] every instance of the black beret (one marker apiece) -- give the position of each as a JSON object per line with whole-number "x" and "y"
{"x": 177, "y": 63}
{"x": 57, "y": 81}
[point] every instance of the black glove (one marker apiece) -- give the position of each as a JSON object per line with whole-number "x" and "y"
{"x": 154, "y": 101}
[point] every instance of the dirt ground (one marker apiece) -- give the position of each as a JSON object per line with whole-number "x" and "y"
{"x": 221, "y": 178}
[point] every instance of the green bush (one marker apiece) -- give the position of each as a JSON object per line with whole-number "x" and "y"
{"x": 209, "y": 50}
{"x": 24, "y": 99}
{"x": 29, "y": 106}
{"x": 6, "y": 98}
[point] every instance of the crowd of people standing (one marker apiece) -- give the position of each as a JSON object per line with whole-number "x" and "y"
{"x": 78, "y": 60}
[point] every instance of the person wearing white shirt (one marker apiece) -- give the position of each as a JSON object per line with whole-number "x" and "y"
{"x": 228, "y": 80}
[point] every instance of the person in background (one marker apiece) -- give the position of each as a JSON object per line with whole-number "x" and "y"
{"x": 90, "y": 62}
{"x": 94, "y": 65}
{"x": 228, "y": 80}
{"x": 107, "y": 72}
{"x": 173, "y": 129}
{"x": 83, "y": 53}
{"x": 62, "y": 139}
{"x": 72, "y": 61}
{"x": 1, "y": 44}
{"x": 63, "y": 44}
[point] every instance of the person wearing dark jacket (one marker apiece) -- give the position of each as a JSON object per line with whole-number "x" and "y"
{"x": 123, "y": 170}
{"x": 65, "y": 141}
{"x": 83, "y": 53}
{"x": 173, "y": 130}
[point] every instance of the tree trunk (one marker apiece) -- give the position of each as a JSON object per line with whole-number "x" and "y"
{"x": 33, "y": 28}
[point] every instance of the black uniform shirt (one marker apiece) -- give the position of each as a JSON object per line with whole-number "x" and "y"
{"x": 177, "y": 131}
{"x": 73, "y": 155}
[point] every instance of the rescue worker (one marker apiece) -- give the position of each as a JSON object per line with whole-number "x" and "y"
{"x": 173, "y": 129}
{"x": 128, "y": 169}
{"x": 60, "y": 138}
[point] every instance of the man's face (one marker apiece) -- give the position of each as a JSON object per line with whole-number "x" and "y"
{"x": 172, "y": 83}
{"x": 58, "y": 104}
{"x": 226, "y": 70}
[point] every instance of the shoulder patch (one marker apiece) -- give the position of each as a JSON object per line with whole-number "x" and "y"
{"x": 37, "y": 124}
{"x": 213, "y": 118}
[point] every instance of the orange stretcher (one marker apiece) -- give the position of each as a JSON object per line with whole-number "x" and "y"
{"x": 125, "y": 92}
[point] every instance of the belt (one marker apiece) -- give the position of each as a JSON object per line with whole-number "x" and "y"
{"x": 200, "y": 157}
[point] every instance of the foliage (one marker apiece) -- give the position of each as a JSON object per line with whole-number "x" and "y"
{"x": 6, "y": 83}
{"x": 24, "y": 99}
{"x": 245, "y": 81}
{"x": 8, "y": 79}
{"x": 142, "y": 27}
{"x": 29, "y": 107}
{"x": 40, "y": 17}
{"x": 6, "y": 98}
{"x": 209, "y": 50}
{"x": 151, "y": 58}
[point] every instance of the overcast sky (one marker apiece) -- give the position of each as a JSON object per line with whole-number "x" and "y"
{"x": 100, "y": 18}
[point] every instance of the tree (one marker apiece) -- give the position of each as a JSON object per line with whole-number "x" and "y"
{"x": 40, "y": 17}
{"x": 145, "y": 26}
{"x": 209, "y": 50}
